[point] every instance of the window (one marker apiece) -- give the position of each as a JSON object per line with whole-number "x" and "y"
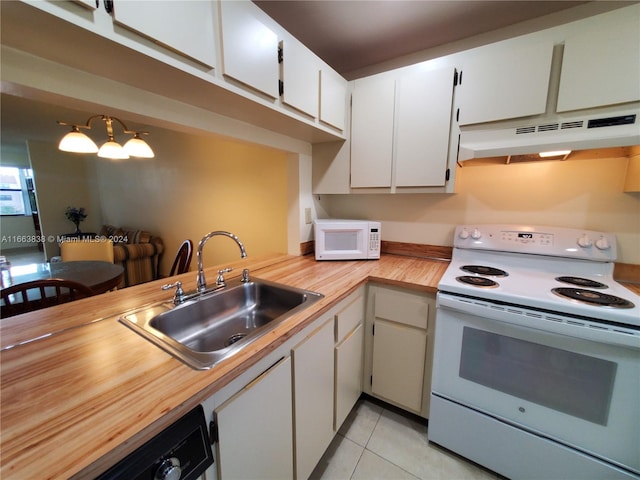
{"x": 14, "y": 193}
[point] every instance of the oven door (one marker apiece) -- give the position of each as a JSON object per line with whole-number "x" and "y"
{"x": 580, "y": 392}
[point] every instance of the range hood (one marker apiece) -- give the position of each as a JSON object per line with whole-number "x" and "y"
{"x": 601, "y": 128}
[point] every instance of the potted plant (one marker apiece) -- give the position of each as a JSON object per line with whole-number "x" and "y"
{"x": 76, "y": 215}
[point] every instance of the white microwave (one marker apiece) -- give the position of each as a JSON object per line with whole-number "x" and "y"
{"x": 346, "y": 239}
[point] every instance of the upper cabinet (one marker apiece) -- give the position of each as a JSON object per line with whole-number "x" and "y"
{"x": 249, "y": 49}
{"x": 400, "y": 128}
{"x": 505, "y": 82}
{"x": 219, "y": 56}
{"x": 372, "y": 112}
{"x": 423, "y": 120}
{"x": 300, "y": 77}
{"x": 601, "y": 66}
{"x": 191, "y": 32}
{"x": 333, "y": 98}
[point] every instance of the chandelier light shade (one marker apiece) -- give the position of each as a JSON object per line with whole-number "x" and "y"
{"x": 136, "y": 147}
{"x": 113, "y": 150}
{"x": 77, "y": 142}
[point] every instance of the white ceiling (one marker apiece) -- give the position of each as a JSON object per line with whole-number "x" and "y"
{"x": 352, "y": 34}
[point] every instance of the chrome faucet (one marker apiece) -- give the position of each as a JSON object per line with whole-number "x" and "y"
{"x": 201, "y": 282}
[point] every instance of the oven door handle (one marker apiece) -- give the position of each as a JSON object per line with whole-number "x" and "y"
{"x": 543, "y": 321}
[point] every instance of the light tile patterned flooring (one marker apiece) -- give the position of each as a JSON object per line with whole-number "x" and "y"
{"x": 23, "y": 256}
{"x": 378, "y": 442}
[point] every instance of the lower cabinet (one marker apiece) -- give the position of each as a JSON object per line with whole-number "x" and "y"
{"x": 399, "y": 347}
{"x": 255, "y": 428}
{"x": 278, "y": 425}
{"x": 349, "y": 356}
{"x": 313, "y": 379}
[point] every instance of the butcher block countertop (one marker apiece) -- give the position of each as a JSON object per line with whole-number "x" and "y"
{"x": 79, "y": 390}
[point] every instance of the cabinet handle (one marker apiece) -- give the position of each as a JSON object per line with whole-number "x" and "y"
{"x": 108, "y": 5}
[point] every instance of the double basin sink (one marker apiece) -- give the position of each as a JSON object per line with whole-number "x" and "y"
{"x": 215, "y": 326}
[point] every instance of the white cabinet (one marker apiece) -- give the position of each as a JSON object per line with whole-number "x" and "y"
{"x": 327, "y": 379}
{"x": 399, "y": 350}
{"x": 313, "y": 379}
{"x": 349, "y": 357}
{"x": 372, "y": 111}
{"x": 186, "y": 27}
{"x": 255, "y": 428}
{"x": 400, "y": 128}
{"x": 348, "y": 360}
{"x": 423, "y": 121}
{"x": 601, "y": 65}
{"x": 333, "y": 98}
{"x": 505, "y": 81}
{"x": 301, "y": 78}
{"x": 249, "y": 48}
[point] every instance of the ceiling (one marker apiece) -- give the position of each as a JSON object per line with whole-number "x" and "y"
{"x": 352, "y": 34}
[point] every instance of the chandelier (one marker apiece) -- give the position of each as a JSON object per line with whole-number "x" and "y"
{"x": 77, "y": 142}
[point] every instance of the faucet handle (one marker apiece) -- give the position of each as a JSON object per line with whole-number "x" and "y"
{"x": 178, "y": 298}
{"x": 220, "y": 279}
{"x": 245, "y": 276}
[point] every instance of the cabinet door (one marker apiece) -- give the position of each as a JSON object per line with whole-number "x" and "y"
{"x": 505, "y": 83}
{"x": 249, "y": 48}
{"x": 372, "y": 131}
{"x": 255, "y": 428}
{"x": 187, "y": 27}
{"x": 398, "y": 363}
{"x": 301, "y": 77}
{"x": 333, "y": 98}
{"x": 601, "y": 66}
{"x": 313, "y": 387}
{"x": 349, "y": 364}
{"x": 422, "y": 125}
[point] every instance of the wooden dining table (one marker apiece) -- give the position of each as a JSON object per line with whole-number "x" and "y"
{"x": 97, "y": 275}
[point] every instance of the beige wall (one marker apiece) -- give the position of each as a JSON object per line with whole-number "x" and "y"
{"x": 198, "y": 184}
{"x": 584, "y": 193}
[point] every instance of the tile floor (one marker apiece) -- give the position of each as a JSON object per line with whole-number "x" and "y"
{"x": 23, "y": 256}
{"x": 377, "y": 441}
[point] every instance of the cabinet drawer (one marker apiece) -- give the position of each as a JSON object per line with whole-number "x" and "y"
{"x": 401, "y": 307}
{"x": 349, "y": 317}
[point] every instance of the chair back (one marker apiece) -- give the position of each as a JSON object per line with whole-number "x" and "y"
{"x": 87, "y": 249}
{"x": 38, "y": 294}
{"x": 183, "y": 259}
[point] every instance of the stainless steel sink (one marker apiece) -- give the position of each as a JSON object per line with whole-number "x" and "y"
{"x": 210, "y": 328}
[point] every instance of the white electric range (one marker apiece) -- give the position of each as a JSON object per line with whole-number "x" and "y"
{"x": 537, "y": 347}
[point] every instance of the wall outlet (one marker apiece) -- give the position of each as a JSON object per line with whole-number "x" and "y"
{"x": 307, "y": 216}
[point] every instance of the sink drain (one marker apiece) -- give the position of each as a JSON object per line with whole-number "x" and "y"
{"x": 236, "y": 337}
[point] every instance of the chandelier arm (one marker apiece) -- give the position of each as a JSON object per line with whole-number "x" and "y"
{"x": 125, "y": 128}
{"x": 87, "y": 125}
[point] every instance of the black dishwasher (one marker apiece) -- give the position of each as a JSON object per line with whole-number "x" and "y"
{"x": 180, "y": 452}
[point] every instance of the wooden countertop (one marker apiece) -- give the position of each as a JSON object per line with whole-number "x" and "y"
{"x": 78, "y": 388}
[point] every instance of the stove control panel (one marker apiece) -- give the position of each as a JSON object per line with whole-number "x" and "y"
{"x": 554, "y": 241}
{"x": 528, "y": 238}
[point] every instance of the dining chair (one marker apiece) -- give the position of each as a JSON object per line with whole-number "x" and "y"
{"x": 183, "y": 259}
{"x": 87, "y": 249}
{"x": 37, "y": 294}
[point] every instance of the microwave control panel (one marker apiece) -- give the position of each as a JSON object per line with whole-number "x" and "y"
{"x": 374, "y": 239}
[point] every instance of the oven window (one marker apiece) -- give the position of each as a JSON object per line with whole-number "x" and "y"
{"x": 568, "y": 382}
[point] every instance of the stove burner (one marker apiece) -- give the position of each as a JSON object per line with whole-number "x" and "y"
{"x": 593, "y": 298}
{"x": 477, "y": 281}
{"x": 581, "y": 282}
{"x": 483, "y": 270}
